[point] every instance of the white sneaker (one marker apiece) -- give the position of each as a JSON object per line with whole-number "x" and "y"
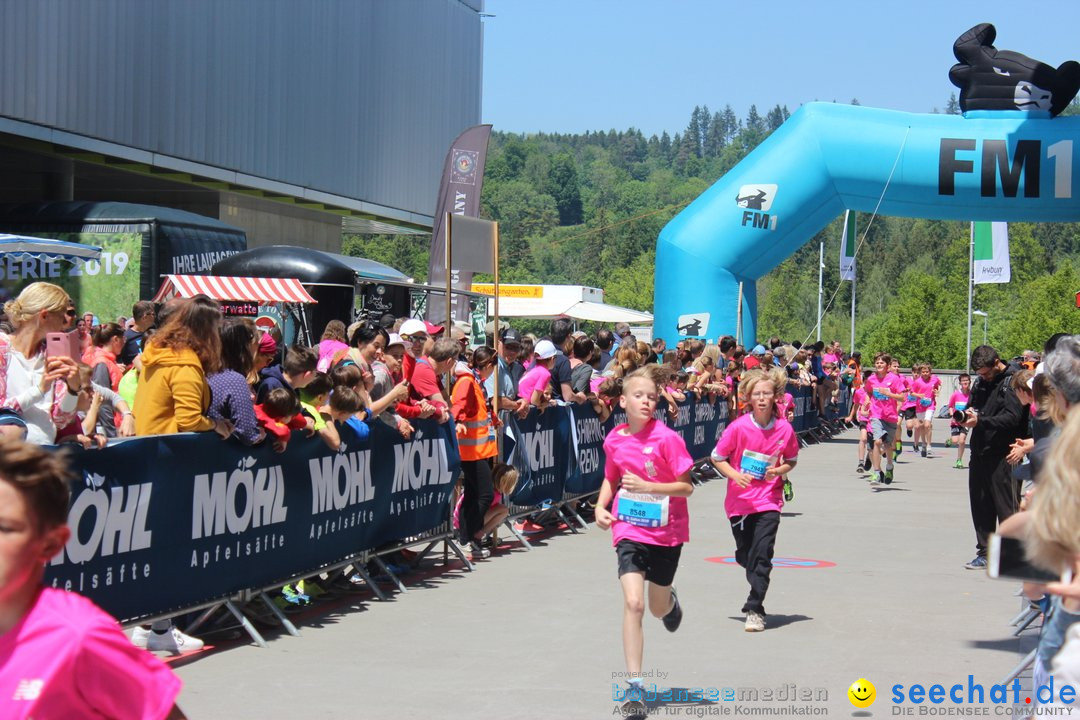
{"x": 479, "y": 552}
{"x": 139, "y": 636}
{"x": 173, "y": 641}
{"x": 755, "y": 622}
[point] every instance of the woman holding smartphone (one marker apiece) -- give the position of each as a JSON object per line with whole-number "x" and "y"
{"x": 38, "y": 388}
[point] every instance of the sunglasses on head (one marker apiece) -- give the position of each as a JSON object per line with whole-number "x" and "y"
{"x": 69, "y": 312}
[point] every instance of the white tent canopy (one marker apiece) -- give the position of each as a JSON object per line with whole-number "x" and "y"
{"x": 547, "y": 301}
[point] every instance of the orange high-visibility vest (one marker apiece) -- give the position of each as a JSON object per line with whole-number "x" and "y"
{"x": 478, "y": 440}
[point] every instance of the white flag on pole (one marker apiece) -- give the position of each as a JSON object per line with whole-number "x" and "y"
{"x": 991, "y": 252}
{"x": 847, "y": 249}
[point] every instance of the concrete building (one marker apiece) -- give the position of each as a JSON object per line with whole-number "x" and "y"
{"x": 288, "y": 119}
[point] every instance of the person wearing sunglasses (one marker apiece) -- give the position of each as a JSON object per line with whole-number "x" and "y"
{"x": 38, "y": 393}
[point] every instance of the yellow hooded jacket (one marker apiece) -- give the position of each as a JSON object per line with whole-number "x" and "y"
{"x": 173, "y": 393}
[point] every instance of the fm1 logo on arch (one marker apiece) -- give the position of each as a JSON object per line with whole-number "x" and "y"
{"x": 959, "y": 155}
{"x": 757, "y": 199}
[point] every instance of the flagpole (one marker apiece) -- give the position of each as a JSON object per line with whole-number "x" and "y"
{"x": 971, "y": 288}
{"x": 495, "y": 374}
{"x": 820, "y": 289}
{"x": 852, "y": 345}
{"x": 844, "y": 239}
{"x": 738, "y": 318}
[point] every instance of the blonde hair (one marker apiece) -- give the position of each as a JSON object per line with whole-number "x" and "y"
{"x": 34, "y": 298}
{"x": 1053, "y": 535}
{"x": 756, "y": 375}
{"x": 713, "y": 353}
{"x": 505, "y": 478}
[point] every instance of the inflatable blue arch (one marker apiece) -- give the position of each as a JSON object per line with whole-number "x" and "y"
{"x": 989, "y": 164}
{"x": 986, "y": 165}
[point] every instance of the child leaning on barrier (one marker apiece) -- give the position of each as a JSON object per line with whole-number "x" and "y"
{"x": 646, "y": 483}
{"x": 279, "y": 414}
{"x": 347, "y": 406}
{"x": 755, "y": 452}
{"x": 505, "y": 479}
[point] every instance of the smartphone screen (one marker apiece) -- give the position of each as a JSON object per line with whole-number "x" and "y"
{"x": 1006, "y": 560}
{"x": 57, "y": 345}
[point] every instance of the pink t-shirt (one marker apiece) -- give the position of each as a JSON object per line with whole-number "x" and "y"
{"x": 909, "y": 399}
{"x": 928, "y": 389}
{"x": 959, "y": 401}
{"x": 536, "y": 378}
{"x": 883, "y": 408}
{"x": 496, "y": 501}
{"x": 768, "y": 446}
{"x": 830, "y": 358}
{"x": 327, "y": 348}
{"x": 657, "y": 454}
{"x": 858, "y": 398}
{"x": 786, "y": 403}
{"x": 69, "y": 659}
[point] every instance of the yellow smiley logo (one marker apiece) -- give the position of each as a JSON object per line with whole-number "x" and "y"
{"x": 862, "y": 693}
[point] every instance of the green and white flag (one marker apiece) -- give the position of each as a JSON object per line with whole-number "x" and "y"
{"x": 991, "y": 252}
{"x": 847, "y": 248}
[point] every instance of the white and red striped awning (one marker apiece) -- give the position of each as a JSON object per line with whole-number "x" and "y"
{"x": 234, "y": 289}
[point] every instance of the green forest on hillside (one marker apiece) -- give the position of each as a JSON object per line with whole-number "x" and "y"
{"x": 587, "y": 208}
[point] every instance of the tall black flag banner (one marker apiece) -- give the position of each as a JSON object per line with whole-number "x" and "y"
{"x": 459, "y": 194}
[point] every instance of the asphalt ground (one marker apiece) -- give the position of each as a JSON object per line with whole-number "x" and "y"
{"x": 537, "y": 634}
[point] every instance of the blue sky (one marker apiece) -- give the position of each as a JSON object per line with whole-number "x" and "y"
{"x": 570, "y": 66}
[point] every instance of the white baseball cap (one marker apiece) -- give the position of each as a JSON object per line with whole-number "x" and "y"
{"x": 395, "y": 339}
{"x": 412, "y": 326}
{"x": 544, "y": 349}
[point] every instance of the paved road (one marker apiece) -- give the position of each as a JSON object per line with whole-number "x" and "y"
{"x": 537, "y": 634}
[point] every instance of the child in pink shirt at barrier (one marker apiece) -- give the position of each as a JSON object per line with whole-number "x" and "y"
{"x": 754, "y": 453}
{"x": 504, "y": 478}
{"x": 60, "y": 656}
{"x": 533, "y": 386}
{"x": 647, "y": 474}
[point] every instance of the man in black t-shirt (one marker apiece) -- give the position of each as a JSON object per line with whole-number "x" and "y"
{"x": 560, "y": 371}
{"x": 142, "y": 313}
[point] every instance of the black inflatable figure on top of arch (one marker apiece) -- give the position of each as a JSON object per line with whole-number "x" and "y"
{"x": 992, "y": 79}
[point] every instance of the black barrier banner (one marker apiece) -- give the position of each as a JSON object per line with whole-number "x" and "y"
{"x": 539, "y": 447}
{"x": 588, "y": 435}
{"x": 805, "y": 414}
{"x": 699, "y": 423}
{"x": 218, "y": 517}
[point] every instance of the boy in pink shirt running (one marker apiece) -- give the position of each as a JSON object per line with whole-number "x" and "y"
{"x": 925, "y": 389}
{"x": 755, "y": 452}
{"x": 647, "y": 474}
{"x": 60, "y": 656}
{"x": 885, "y": 389}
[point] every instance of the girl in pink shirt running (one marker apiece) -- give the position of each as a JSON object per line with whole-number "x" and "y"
{"x": 647, "y": 474}
{"x": 755, "y": 452}
{"x": 60, "y": 656}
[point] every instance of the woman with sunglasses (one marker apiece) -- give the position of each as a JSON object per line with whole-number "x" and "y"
{"x": 38, "y": 394}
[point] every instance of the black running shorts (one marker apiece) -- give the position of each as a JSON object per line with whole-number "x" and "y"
{"x": 658, "y": 562}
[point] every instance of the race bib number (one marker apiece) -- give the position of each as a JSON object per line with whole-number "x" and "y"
{"x": 755, "y": 464}
{"x": 925, "y": 402}
{"x": 961, "y": 406}
{"x": 879, "y": 395}
{"x": 643, "y": 509}
{"x": 910, "y": 398}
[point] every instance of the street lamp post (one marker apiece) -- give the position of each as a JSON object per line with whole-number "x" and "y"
{"x": 986, "y": 319}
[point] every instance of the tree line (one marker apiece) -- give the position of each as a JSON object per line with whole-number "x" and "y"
{"x": 586, "y": 209}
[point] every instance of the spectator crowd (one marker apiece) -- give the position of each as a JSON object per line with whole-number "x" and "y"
{"x": 183, "y": 367}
